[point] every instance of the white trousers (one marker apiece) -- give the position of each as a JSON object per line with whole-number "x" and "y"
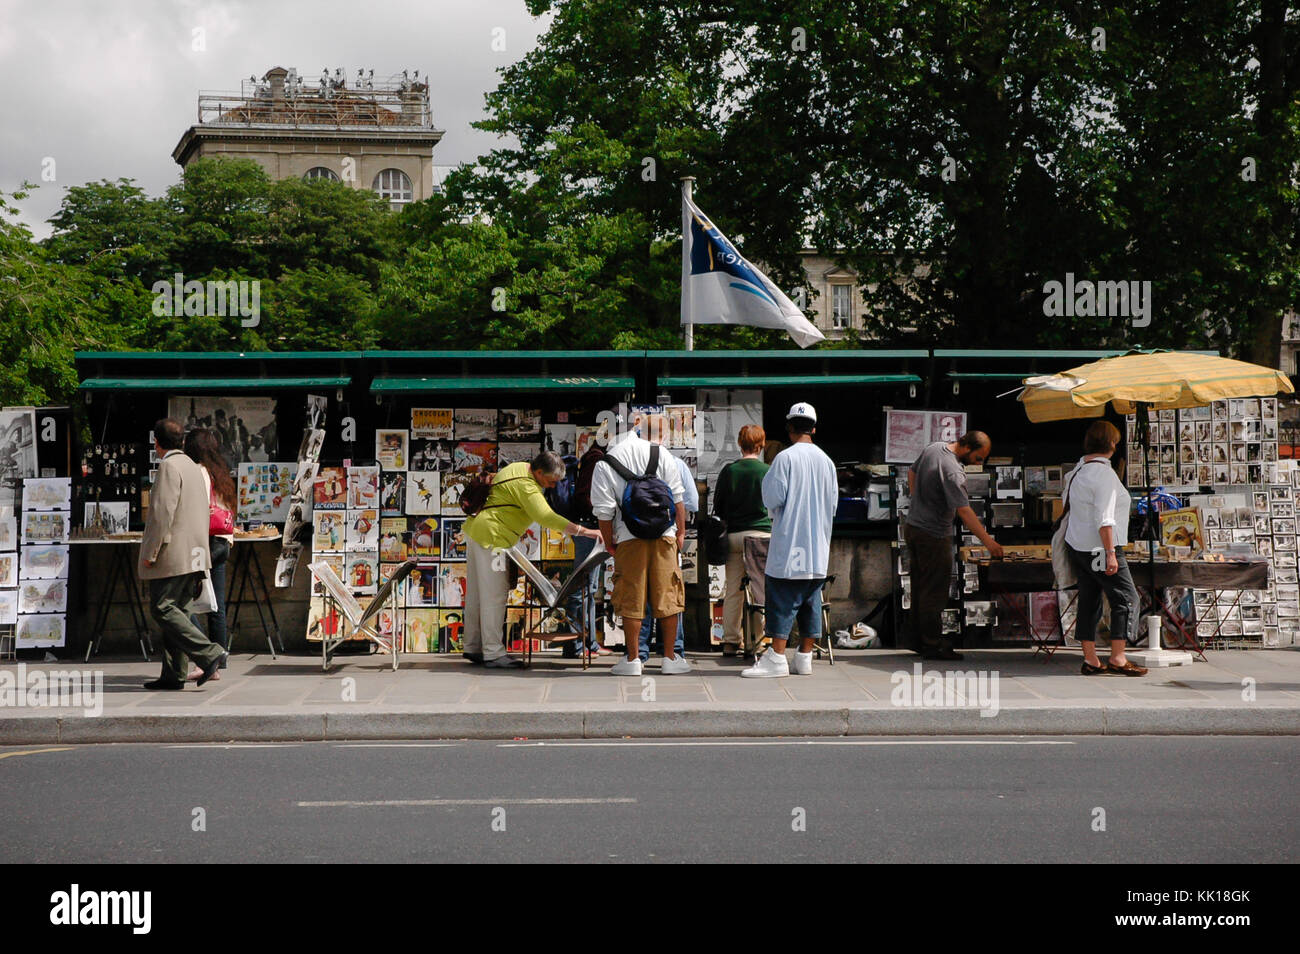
{"x": 486, "y": 590}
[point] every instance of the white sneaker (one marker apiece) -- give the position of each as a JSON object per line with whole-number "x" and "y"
{"x": 676, "y": 666}
{"x": 770, "y": 665}
{"x": 626, "y": 667}
{"x": 803, "y": 664}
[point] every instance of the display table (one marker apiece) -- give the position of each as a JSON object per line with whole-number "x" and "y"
{"x": 1036, "y": 575}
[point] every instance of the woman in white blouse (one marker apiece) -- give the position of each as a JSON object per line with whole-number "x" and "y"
{"x": 1097, "y": 530}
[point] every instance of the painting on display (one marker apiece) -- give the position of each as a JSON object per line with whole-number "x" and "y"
{"x": 265, "y": 490}
{"x": 8, "y": 607}
{"x": 718, "y": 420}
{"x": 508, "y": 454}
{"x": 423, "y": 493}
{"x": 8, "y": 569}
{"x": 391, "y": 449}
{"x": 17, "y": 443}
{"x": 47, "y": 493}
{"x": 519, "y": 424}
{"x": 45, "y": 527}
{"x": 114, "y": 516}
{"x": 476, "y": 423}
{"x": 437, "y": 423}
{"x": 475, "y": 457}
{"x": 43, "y": 596}
{"x": 40, "y": 630}
{"x": 245, "y": 426}
{"x": 43, "y": 563}
{"x": 9, "y": 530}
{"x": 561, "y": 439}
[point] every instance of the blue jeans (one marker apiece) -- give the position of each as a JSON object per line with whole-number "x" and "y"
{"x": 793, "y": 601}
{"x": 647, "y": 625}
{"x": 581, "y": 604}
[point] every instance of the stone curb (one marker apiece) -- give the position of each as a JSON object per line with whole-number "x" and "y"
{"x": 644, "y": 721}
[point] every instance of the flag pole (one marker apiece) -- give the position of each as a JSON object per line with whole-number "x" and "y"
{"x": 688, "y": 330}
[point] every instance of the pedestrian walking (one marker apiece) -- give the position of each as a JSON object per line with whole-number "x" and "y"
{"x": 936, "y": 483}
{"x": 202, "y": 447}
{"x": 801, "y": 492}
{"x": 173, "y": 557}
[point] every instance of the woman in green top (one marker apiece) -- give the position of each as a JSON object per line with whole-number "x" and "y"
{"x": 514, "y": 504}
{"x": 739, "y": 501}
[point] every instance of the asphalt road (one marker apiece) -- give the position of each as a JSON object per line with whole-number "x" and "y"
{"x": 1169, "y": 800}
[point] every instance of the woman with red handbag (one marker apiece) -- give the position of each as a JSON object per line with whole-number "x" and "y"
{"x": 203, "y": 447}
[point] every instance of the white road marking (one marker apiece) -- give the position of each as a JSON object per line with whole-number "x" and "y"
{"x": 553, "y": 745}
{"x": 9, "y": 755}
{"x": 423, "y": 802}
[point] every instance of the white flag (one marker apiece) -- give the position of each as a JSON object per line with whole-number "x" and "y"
{"x": 721, "y": 287}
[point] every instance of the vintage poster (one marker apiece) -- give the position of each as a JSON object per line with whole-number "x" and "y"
{"x": 329, "y": 531}
{"x": 432, "y": 455}
{"x": 392, "y": 539}
{"x": 681, "y": 425}
{"x": 585, "y": 436}
{"x": 422, "y": 587}
{"x": 562, "y": 439}
{"x": 519, "y": 424}
{"x": 475, "y": 457}
{"x": 451, "y": 623}
{"x": 392, "y": 493}
{"x": 433, "y": 422}
{"x": 426, "y": 541}
{"x": 390, "y": 449}
{"x": 1182, "y": 528}
{"x": 43, "y": 563}
{"x": 451, "y": 584}
{"x": 324, "y": 621}
{"x": 421, "y": 631}
{"x": 265, "y": 490}
{"x": 508, "y": 454}
{"x": 335, "y": 563}
{"x": 556, "y": 545}
{"x": 47, "y": 493}
{"x": 453, "y": 538}
{"x": 17, "y": 445}
{"x": 363, "y": 572}
{"x": 476, "y": 424}
{"x": 423, "y": 493}
{"x": 331, "y": 489}
{"x": 909, "y": 432}
{"x": 245, "y": 426}
{"x": 45, "y": 527}
{"x": 453, "y": 485}
{"x": 363, "y": 530}
{"x": 718, "y": 420}
{"x": 363, "y": 488}
{"x": 530, "y": 542}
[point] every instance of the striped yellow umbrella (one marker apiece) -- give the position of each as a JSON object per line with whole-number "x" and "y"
{"x": 1159, "y": 379}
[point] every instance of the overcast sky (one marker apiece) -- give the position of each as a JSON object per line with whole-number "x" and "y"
{"x": 106, "y": 88}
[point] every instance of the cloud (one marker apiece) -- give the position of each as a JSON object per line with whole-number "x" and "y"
{"x": 106, "y": 90}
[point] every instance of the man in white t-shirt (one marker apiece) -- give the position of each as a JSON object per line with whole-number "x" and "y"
{"x": 801, "y": 492}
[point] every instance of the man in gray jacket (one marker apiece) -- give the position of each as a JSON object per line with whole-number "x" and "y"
{"x": 174, "y": 555}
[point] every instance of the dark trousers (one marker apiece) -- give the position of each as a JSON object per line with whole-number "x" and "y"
{"x": 931, "y": 574}
{"x": 168, "y": 598}
{"x": 1120, "y": 592}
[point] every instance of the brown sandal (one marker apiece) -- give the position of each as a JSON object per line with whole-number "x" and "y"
{"x": 1128, "y": 669}
{"x": 1090, "y": 670}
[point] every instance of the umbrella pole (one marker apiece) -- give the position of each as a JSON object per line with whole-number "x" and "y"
{"x": 1153, "y": 536}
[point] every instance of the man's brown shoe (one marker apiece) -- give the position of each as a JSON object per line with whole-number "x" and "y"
{"x": 1128, "y": 669}
{"x": 1090, "y": 670}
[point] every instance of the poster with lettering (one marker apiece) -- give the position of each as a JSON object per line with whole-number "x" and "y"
{"x": 432, "y": 422}
{"x": 909, "y": 432}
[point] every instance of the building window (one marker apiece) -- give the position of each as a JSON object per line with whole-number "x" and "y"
{"x": 320, "y": 172}
{"x": 395, "y": 186}
{"x": 841, "y": 307}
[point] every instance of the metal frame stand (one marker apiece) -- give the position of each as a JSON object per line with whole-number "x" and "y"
{"x": 121, "y": 567}
{"x": 243, "y": 578}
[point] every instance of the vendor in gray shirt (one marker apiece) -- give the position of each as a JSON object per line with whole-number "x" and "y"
{"x": 937, "y": 485}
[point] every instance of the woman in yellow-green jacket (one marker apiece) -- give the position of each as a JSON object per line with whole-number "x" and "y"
{"x": 515, "y": 503}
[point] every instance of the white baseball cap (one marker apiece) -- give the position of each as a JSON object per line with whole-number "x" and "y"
{"x": 803, "y": 409}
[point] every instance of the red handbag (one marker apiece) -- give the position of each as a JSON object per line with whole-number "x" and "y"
{"x": 221, "y": 522}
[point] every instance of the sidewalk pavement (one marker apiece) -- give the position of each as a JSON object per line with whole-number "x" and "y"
{"x": 866, "y": 693}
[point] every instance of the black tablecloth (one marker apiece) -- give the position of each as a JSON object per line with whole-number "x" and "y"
{"x": 1035, "y": 576}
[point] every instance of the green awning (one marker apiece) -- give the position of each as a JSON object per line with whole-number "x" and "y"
{"x": 572, "y": 382}
{"x": 992, "y": 375}
{"x": 783, "y": 380}
{"x": 185, "y": 385}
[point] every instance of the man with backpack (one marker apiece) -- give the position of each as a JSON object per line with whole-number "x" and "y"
{"x": 637, "y": 497}
{"x": 572, "y": 498}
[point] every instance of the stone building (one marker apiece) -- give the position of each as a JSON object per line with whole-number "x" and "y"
{"x": 373, "y": 134}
